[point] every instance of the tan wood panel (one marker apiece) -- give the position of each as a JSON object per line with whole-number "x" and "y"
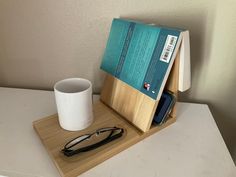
{"x": 132, "y": 104}
{"x": 54, "y": 137}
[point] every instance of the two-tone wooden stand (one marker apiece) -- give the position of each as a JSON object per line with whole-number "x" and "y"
{"x": 119, "y": 105}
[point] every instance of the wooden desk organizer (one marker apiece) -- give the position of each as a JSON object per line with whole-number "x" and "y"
{"x": 135, "y": 109}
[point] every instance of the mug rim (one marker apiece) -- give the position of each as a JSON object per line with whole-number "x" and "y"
{"x": 72, "y": 79}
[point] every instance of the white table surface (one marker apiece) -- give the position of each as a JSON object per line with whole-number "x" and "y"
{"x": 191, "y": 147}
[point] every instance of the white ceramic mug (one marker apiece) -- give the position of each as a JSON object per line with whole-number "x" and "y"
{"x": 74, "y": 103}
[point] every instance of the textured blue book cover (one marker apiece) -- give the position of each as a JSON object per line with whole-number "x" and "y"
{"x": 139, "y": 54}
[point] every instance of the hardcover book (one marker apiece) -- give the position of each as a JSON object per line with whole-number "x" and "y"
{"x": 141, "y": 55}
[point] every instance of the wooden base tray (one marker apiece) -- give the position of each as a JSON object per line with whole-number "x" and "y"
{"x": 54, "y": 138}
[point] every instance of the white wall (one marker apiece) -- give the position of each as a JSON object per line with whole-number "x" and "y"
{"x": 48, "y": 40}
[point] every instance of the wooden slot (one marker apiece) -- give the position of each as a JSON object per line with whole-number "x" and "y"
{"x": 172, "y": 82}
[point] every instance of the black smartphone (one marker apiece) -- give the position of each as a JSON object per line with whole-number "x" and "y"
{"x": 164, "y": 107}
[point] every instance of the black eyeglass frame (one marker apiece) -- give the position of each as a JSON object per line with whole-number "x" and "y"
{"x": 67, "y": 151}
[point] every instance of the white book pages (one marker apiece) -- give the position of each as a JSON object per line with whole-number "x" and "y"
{"x": 184, "y": 65}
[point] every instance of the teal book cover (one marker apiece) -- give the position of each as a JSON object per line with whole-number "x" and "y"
{"x": 139, "y": 54}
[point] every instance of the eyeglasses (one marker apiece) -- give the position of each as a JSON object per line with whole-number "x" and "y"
{"x": 92, "y": 141}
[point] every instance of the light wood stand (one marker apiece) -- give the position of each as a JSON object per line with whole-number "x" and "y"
{"x": 116, "y": 100}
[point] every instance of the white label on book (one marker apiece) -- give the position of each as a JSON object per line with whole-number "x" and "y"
{"x": 168, "y": 48}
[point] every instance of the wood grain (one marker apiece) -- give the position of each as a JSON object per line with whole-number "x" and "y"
{"x": 54, "y": 137}
{"x": 132, "y": 104}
